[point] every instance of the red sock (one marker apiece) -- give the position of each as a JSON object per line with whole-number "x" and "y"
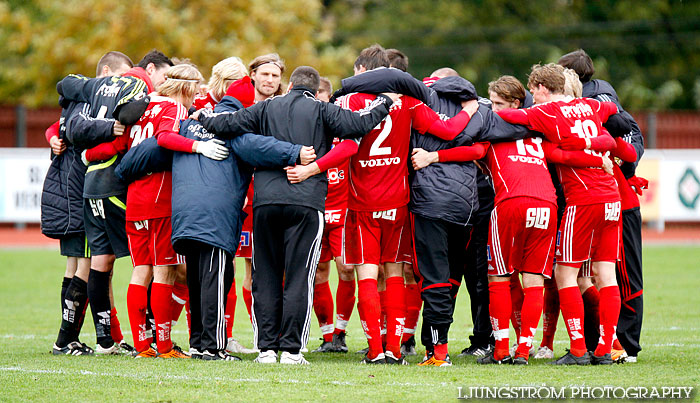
{"x": 499, "y": 311}
{"x": 550, "y": 313}
{"x": 516, "y": 299}
{"x": 413, "y": 305}
{"x": 571, "y": 305}
{"x": 609, "y": 314}
{"x": 137, "y": 304}
{"x": 395, "y": 313}
{"x": 323, "y": 307}
{"x": 382, "y": 317}
{"x": 248, "y": 299}
{"x": 533, "y": 299}
{"x": 440, "y": 351}
{"x": 181, "y": 294}
{"x": 344, "y": 304}
{"x": 161, "y": 295}
{"x": 115, "y": 328}
{"x": 368, "y": 307}
{"x": 230, "y": 312}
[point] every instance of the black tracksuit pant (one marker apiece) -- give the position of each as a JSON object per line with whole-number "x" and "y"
{"x": 209, "y": 278}
{"x": 285, "y": 255}
{"x": 440, "y": 253}
{"x": 629, "y": 279}
{"x": 477, "y": 282}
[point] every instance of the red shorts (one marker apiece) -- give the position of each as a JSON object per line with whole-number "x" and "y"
{"x": 245, "y": 246}
{"x": 150, "y": 244}
{"x": 589, "y": 232}
{"x": 521, "y": 237}
{"x": 332, "y": 242}
{"x": 377, "y": 237}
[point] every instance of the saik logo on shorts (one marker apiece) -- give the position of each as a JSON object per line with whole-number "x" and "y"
{"x": 385, "y": 215}
{"x": 141, "y": 225}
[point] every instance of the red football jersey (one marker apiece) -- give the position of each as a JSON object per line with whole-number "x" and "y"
{"x": 518, "y": 168}
{"x": 205, "y": 101}
{"x": 337, "y": 198}
{"x": 579, "y": 117}
{"x": 379, "y": 170}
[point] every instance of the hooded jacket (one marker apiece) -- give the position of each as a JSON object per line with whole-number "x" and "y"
{"x": 208, "y": 195}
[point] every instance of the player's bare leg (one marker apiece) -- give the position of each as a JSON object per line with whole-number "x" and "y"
{"x": 413, "y": 306}
{"x": 606, "y": 281}
{"x": 181, "y": 296}
{"x": 345, "y": 303}
{"x": 370, "y": 312}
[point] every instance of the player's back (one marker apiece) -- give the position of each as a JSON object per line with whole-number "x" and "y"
{"x": 379, "y": 170}
{"x": 578, "y": 118}
{"x": 149, "y": 196}
{"x": 518, "y": 168}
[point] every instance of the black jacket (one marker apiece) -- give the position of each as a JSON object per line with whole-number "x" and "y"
{"x": 383, "y": 79}
{"x": 103, "y": 95}
{"x": 603, "y": 91}
{"x": 62, "y": 195}
{"x": 298, "y": 118}
{"x": 448, "y": 191}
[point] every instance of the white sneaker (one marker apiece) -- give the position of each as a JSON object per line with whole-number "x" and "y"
{"x": 544, "y": 352}
{"x": 304, "y": 350}
{"x": 631, "y": 359}
{"x": 266, "y": 357}
{"x": 289, "y": 358}
{"x": 234, "y": 347}
{"x": 113, "y": 350}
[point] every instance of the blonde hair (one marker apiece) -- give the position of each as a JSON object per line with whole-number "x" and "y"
{"x": 181, "y": 80}
{"x": 572, "y": 86}
{"x": 224, "y": 73}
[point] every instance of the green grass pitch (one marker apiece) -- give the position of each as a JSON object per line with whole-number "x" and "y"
{"x": 30, "y": 316}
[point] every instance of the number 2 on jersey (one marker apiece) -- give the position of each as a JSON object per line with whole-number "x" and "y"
{"x": 376, "y": 148}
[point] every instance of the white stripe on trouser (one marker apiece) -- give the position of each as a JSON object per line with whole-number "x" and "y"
{"x": 220, "y": 303}
{"x": 253, "y": 319}
{"x": 312, "y": 263}
{"x": 434, "y": 335}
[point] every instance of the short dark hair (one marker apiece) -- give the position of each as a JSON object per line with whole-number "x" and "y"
{"x": 397, "y": 59}
{"x": 305, "y": 76}
{"x": 114, "y": 60}
{"x": 157, "y": 58}
{"x": 372, "y": 57}
{"x": 580, "y": 62}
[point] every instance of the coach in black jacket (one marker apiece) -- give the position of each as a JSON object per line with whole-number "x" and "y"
{"x": 288, "y": 218}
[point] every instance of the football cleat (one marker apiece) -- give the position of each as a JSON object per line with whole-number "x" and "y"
{"x": 326, "y": 347}
{"x": 570, "y": 359}
{"x": 631, "y": 359}
{"x": 148, "y": 353}
{"x": 111, "y": 350}
{"x": 519, "y": 360}
{"x": 544, "y": 352}
{"x": 363, "y": 351}
{"x": 234, "y": 347}
{"x": 476, "y": 351}
{"x": 606, "y": 359}
{"x": 195, "y": 354}
{"x": 390, "y": 358}
{"x": 618, "y": 356}
{"x": 87, "y": 348}
{"x": 266, "y": 357}
{"x": 125, "y": 348}
{"x": 339, "y": 343}
{"x": 431, "y": 361}
{"x": 72, "y": 348}
{"x": 409, "y": 347}
{"x": 219, "y": 356}
{"x": 490, "y": 359}
{"x": 289, "y": 358}
{"x": 379, "y": 359}
{"x": 174, "y": 352}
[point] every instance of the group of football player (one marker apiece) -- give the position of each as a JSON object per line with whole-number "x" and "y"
{"x": 530, "y": 196}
